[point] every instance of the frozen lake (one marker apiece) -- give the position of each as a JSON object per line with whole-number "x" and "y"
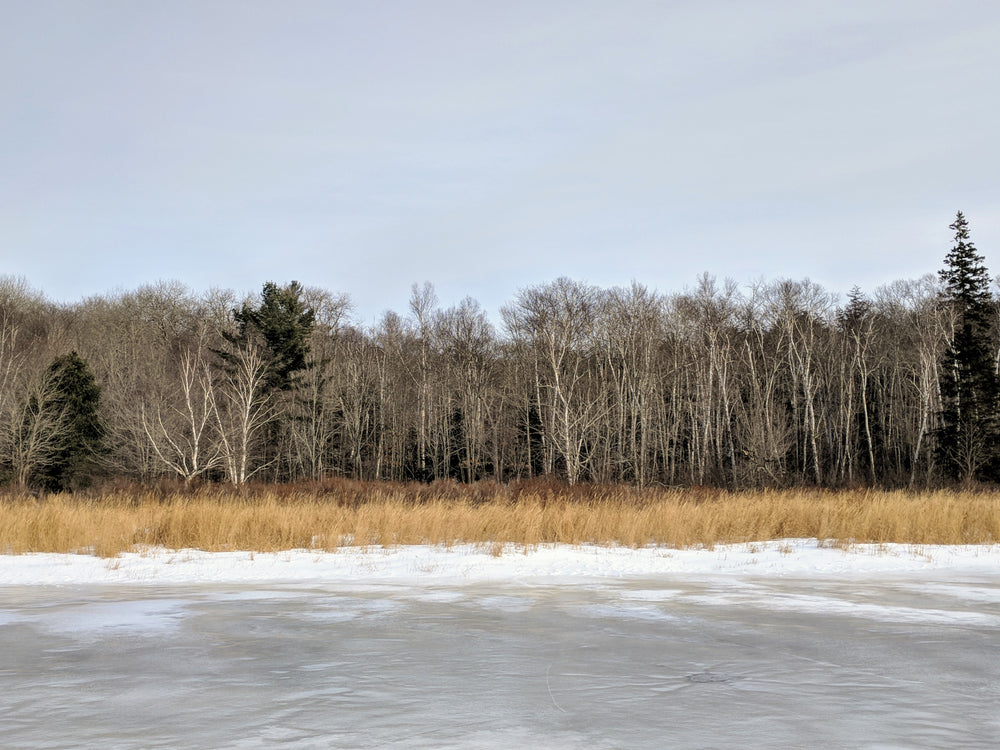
{"x": 672, "y": 660}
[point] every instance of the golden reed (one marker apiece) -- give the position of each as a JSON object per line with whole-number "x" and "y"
{"x": 325, "y": 516}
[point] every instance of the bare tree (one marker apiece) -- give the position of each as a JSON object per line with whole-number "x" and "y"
{"x": 359, "y": 367}
{"x": 243, "y": 409}
{"x": 32, "y": 431}
{"x": 423, "y": 302}
{"x": 705, "y": 320}
{"x": 800, "y": 309}
{"x": 186, "y": 440}
{"x": 920, "y": 335}
{"x": 559, "y": 323}
{"x": 314, "y": 427}
{"x": 631, "y": 331}
{"x": 858, "y": 356}
{"x": 10, "y": 360}
{"x": 469, "y": 344}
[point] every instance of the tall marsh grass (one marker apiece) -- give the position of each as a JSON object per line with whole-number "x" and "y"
{"x": 335, "y": 514}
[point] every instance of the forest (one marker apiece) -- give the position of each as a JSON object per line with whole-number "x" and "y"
{"x": 771, "y": 385}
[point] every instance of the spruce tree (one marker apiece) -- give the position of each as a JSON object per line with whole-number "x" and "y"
{"x": 76, "y": 396}
{"x": 967, "y": 439}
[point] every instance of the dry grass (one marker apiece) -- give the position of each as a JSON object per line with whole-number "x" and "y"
{"x": 330, "y": 515}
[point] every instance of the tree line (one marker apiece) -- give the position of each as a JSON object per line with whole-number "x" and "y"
{"x": 773, "y": 385}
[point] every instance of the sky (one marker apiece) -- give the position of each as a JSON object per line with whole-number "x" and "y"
{"x": 489, "y": 146}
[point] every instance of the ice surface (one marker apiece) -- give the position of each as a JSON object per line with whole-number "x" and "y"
{"x": 560, "y": 648}
{"x": 149, "y": 617}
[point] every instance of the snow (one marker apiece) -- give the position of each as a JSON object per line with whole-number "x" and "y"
{"x": 474, "y": 564}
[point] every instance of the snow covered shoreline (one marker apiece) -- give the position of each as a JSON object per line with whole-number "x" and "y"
{"x": 429, "y": 565}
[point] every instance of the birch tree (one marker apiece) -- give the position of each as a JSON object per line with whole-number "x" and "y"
{"x": 187, "y": 439}
{"x": 559, "y": 322}
{"x": 243, "y": 409}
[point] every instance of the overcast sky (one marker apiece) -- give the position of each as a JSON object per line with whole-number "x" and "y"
{"x": 487, "y": 146}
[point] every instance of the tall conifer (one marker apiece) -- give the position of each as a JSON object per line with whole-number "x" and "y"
{"x": 967, "y": 439}
{"x": 282, "y": 324}
{"x": 76, "y": 397}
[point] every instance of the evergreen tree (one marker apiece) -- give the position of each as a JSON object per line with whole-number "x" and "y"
{"x": 857, "y": 310}
{"x": 76, "y": 396}
{"x": 268, "y": 353}
{"x": 281, "y": 325}
{"x": 967, "y": 439}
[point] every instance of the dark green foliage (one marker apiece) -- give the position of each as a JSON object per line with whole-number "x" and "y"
{"x": 281, "y": 325}
{"x": 857, "y": 311}
{"x": 967, "y": 440}
{"x": 76, "y": 396}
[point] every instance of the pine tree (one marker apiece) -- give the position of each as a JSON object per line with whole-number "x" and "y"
{"x": 281, "y": 324}
{"x": 76, "y": 396}
{"x": 967, "y": 439}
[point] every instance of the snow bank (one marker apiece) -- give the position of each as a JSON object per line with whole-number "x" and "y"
{"x": 480, "y": 564}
